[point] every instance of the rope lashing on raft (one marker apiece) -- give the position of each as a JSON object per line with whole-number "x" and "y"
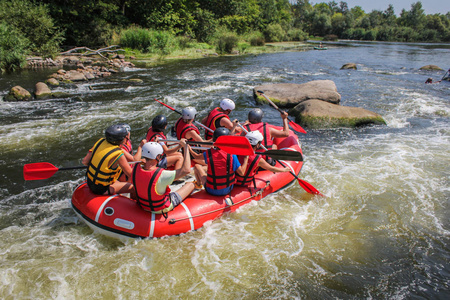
{"x": 258, "y": 193}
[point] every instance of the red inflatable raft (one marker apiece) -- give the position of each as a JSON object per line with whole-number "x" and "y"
{"x": 121, "y": 217}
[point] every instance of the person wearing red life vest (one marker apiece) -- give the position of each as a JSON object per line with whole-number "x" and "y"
{"x": 255, "y": 161}
{"x": 221, "y": 167}
{"x": 185, "y": 128}
{"x": 255, "y": 122}
{"x": 171, "y": 155}
{"x": 105, "y": 161}
{"x": 219, "y": 117}
{"x": 151, "y": 183}
{"x": 128, "y": 147}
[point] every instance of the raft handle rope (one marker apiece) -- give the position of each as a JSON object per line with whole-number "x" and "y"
{"x": 259, "y": 192}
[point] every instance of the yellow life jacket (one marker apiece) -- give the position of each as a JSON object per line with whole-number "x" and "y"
{"x": 99, "y": 169}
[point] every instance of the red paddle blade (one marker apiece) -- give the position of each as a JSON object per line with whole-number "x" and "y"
{"x": 38, "y": 171}
{"x": 296, "y": 127}
{"x": 234, "y": 145}
{"x": 309, "y": 188}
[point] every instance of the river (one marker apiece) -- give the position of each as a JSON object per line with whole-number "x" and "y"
{"x": 381, "y": 232}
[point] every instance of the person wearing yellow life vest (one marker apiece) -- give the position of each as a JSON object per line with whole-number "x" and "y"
{"x": 255, "y": 161}
{"x": 219, "y": 117}
{"x": 105, "y": 160}
{"x": 151, "y": 182}
{"x": 219, "y": 177}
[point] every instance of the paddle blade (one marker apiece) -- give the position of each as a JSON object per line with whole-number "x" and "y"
{"x": 296, "y": 127}
{"x": 233, "y": 144}
{"x": 309, "y": 188}
{"x": 38, "y": 171}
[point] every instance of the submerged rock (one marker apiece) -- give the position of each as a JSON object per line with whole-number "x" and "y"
{"x": 349, "y": 66}
{"x": 431, "y": 67}
{"x": 321, "y": 114}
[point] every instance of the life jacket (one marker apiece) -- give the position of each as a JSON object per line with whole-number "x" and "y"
{"x": 182, "y": 128}
{"x": 99, "y": 169}
{"x": 152, "y": 135}
{"x": 220, "y": 174}
{"x": 265, "y": 131}
{"x": 128, "y": 147}
{"x": 252, "y": 169}
{"x": 145, "y": 186}
{"x": 213, "y": 120}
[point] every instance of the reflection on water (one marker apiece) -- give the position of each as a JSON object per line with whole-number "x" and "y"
{"x": 382, "y": 232}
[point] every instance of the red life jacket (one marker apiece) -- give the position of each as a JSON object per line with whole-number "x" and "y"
{"x": 265, "y": 131}
{"x": 145, "y": 186}
{"x": 252, "y": 169}
{"x": 220, "y": 173}
{"x": 152, "y": 135}
{"x": 127, "y": 147}
{"x": 182, "y": 128}
{"x": 213, "y": 121}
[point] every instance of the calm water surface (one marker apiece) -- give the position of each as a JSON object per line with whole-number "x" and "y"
{"x": 382, "y": 232}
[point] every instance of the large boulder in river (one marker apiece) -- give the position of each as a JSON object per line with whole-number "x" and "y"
{"x": 42, "y": 91}
{"x": 431, "y": 68}
{"x": 291, "y": 94}
{"x": 18, "y": 93}
{"x": 321, "y": 114}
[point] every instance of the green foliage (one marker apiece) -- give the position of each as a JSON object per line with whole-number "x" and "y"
{"x": 255, "y": 38}
{"x": 242, "y": 47}
{"x": 225, "y": 41}
{"x": 33, "y": 22}
{"x": 274, "y": 33}
{"x": 296, "y": 34}
{"x": 13, "y": 48}
{"x": 149, "y": 41}
{"x": 205, "y": 25}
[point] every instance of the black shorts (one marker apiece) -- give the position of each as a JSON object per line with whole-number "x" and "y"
{"x": 98, "y": 189}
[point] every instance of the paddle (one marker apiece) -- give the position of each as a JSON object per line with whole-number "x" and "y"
{"x": 283, "y": 154}
{"x": 304, "y": 184}
{"x": 445, "y": 75}
{"x": 178, "y": 112}
{"x": 294, "y": 125}
{"x": 229, "y": 143}
{"x": 44, "y": 170}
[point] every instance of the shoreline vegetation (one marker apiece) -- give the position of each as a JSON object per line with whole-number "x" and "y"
{"x": 157, "y": 30}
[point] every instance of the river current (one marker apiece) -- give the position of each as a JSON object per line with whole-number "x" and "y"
{"x": 382, "y": 231}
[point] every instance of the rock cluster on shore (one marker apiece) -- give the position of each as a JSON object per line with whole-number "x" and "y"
{"x": 315, "y": 104}
{"x": 87, "y": 69}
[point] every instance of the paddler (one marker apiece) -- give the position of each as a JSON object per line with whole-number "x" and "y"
{"x": 219, "y": 177}
{"x": 255, "y": 161}
{"x": 105, "y": 161}
{"x": 185, "y": 128}
{"x": 171, "y": 155}
{"x": 219, "y": 117}
{"x": 151, "y": 182}
{"x": 255, "y": 122}
{"x": 128, "y": 149}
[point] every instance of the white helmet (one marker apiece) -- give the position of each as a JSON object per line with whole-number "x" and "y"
{"x": 227, "y": 104}
{"x": 151, "y": 150}
{"x": 188, "y": 113}
{"x": 254, "y": 137}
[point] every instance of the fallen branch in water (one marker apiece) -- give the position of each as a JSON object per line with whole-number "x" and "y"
{"x": 89, "y": 52}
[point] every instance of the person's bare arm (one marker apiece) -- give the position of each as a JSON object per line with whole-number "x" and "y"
{"x": 266, "y": 166}
{"x": 186, "y": 167}
{"x": 241, "y": 170}
{"x": 281, "y": 133}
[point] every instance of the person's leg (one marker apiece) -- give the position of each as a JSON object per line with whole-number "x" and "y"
{"x": 186, "y": 190}
{"x": 176, "y": 160}
{"x": 200, "y": 174}
{"x": 121, "y": 188}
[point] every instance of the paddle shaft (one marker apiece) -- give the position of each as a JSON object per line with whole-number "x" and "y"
{"x": 294, "y": 125}
{"x": 178, "y": 112}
